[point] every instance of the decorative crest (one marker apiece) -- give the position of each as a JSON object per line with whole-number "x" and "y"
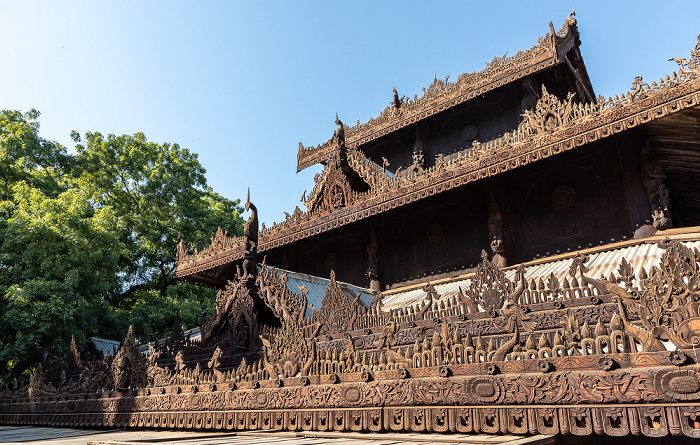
{"x": 550, "y": 113}
{"x": 336, "y": 311}
{"x": 129, "y": 365}
{"x": 489, "y": 287}
{"x": 689, "y": 68}
{"x": 290, "y": 353}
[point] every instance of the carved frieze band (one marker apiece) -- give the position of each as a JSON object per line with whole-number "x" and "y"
{"x": 482, "y": 404}
{"x": 654, "y": 421}
{"x": 468, "y": 384}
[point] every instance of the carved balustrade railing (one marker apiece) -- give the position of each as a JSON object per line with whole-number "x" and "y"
{"x": 574, "y": 355}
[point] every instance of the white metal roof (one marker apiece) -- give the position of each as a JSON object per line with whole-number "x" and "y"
{"x": 642, "y": 255}
{"x": 317, "y": 287}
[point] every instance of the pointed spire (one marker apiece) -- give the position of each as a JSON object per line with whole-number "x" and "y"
{"x": 600, "y": 330}
{"x": 479, "y": 343}
{"x": 586, "y": 331}
{"x": 557, "y": 339}
{"x": 468, "y": 341}
{"x": 616, "y": 323}
{"x": 492, "y": 346}
{"x": 530, "y": 344}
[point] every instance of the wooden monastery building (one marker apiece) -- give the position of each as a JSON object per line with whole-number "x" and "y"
{"x": 508, "y": 253}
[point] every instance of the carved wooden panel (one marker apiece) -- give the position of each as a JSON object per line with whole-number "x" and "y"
{"x": 574, "y": 202}
{"x": 444, "y": 237}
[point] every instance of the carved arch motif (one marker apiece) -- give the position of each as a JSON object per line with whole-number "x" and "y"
{"x": 337, "y": 314}
{"x": 337, "y": 192}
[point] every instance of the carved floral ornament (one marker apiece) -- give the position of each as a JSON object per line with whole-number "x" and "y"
{"x": 552, "y": 357}
{"x": 337, "y": 313}
{"x": 290, "y": 353}
{"x": 554, "y": 126}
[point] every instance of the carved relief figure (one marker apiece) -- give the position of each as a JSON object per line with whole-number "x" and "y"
{"x": 250, "y": 232}
{"x": 290, "y": 353}
{"x": 337, "y": 191}
{"x": 659, "y": 194}
{"x": 550, "y": 113}
{"x": 154, "y": 372}
{"x": 372, "y": 262}
{"x": 495, "y": 224}
{"x": 215, "y": 363}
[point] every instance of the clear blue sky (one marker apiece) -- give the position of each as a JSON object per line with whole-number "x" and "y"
{"x": 242, "y": 83}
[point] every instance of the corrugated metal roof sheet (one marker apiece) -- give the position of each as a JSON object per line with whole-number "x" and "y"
{"x": 317, "y": 287}
{"x": 105, "y": 346}
{"x": 639, "y": 256}
{"x": 193, "y": 334}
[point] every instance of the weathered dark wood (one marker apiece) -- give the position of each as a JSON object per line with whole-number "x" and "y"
{"x": 501, "y": 351}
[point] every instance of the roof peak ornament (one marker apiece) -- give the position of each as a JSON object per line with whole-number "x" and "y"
{"x": 548, "y": 52}
{"x": 250, "y": 233}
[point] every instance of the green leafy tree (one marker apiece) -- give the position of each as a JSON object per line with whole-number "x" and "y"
{"x": 159, "y": 194}
{"x": 26, "y": 157}
{"x": 59, "y": 257}
{"x": 87, "y": 242}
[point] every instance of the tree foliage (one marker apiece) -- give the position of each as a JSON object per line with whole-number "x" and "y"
{"x": 88, "y": 241}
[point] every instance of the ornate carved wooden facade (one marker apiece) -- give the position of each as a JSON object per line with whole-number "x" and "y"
{"x": 546, "y": 346}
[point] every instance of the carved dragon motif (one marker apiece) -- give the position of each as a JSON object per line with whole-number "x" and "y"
{"x": 649, "y": 341}
{"x": 290, "y": 354}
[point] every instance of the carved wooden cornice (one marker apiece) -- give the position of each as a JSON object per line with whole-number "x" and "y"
{"x": 478, "y": 403}
{"x": 612, "y": 420}
{"x": 442, "y": 94}
{"x": 550, "y": 130}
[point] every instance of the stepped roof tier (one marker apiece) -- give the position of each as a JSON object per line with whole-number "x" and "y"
{"x": 551, "y": 50}
{"x": 666, "y": 110}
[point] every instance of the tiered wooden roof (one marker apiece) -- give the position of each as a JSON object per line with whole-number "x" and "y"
{"x": 554, "y": 127}
{"x": 442, "y": 94}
